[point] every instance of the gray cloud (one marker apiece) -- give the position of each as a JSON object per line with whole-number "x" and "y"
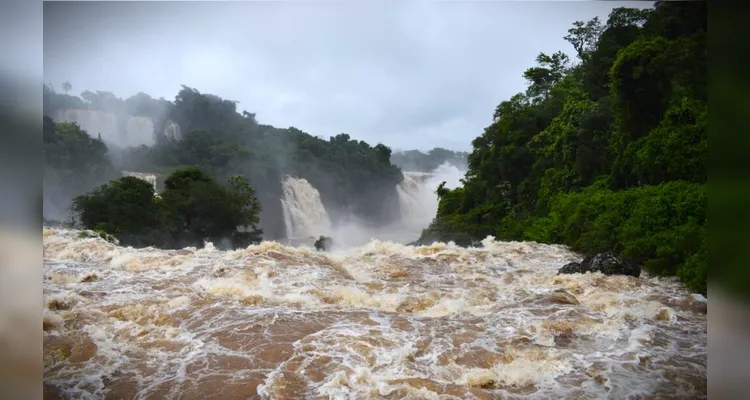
{"x": 410, "y": 75}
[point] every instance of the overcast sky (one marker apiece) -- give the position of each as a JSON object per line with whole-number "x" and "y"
{"x": 406, "y": 74}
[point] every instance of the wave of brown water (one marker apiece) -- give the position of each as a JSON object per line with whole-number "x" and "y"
{"x": 380, "y": 321}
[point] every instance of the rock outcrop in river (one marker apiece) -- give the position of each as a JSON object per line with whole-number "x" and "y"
{"x": 606, "y": 263}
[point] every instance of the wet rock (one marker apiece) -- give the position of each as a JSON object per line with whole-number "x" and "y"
{"x": 606, "y": 263}
{"x": 324, "y": 243}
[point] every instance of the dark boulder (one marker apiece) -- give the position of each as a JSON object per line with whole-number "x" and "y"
{"x": 606, "y": 263}
{"x": 324, "y": 243}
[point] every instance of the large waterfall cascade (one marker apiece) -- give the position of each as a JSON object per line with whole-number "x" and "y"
{"x": 417, "y": 197}
{"x": 304, "y": 213}
{"x": 138, "y": 130}
{"x": 418, "y": 205}
{"x": 92, "y": 121}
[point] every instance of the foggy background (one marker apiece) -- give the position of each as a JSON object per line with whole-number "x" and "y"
{"x": 409, "y": 75}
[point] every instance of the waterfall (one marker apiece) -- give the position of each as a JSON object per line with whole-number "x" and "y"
{"x": 304, "y": 213}
{"x": 94, "y": 122}
{"x": 172, "y": 130}
{"x": 136, "y": 130}
{"x": 417, "y": 198}
{"x": 150, "y": 178}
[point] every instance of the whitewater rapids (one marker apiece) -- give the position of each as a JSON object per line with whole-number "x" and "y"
{"x": 382, "y": 321}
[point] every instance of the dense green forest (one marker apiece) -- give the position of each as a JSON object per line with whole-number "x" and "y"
{"x": 417, "y": 161}
{"x": 75, "y": 163}
{"x": 352, "y": 176}
{"x": 192, "y": 209}
{"x": 604, "y": 154}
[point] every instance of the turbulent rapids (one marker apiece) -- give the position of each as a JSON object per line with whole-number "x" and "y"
{"x": 381, "y": 321}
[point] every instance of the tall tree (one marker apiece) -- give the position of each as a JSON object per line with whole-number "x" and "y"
{"x": 584, "y": 37}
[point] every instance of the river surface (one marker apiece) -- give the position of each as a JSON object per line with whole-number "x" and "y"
{"x": 381, "y": 321}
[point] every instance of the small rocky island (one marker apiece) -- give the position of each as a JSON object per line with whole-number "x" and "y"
{"x": 606, "y": 263}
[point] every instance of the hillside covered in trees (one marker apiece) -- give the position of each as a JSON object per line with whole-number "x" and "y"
{"x": 352, "y": 176}
{"x": 75, "y": 163}
{"x": 604, "y": 154}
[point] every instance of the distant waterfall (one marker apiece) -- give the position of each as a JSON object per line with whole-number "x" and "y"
{"x": 172, "y": 130}
{"x": 138, "y": 131}
{"x": 150, "y": 178}
{"x": 417, "y": 198}
{"x": 304, "y": 213}
{"x": 135, "y": 130}
{"x": 94, "y": 122}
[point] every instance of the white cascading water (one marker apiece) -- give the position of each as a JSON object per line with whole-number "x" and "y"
{"x": 304, "y": 213}
{"x": 138, "y": 130}
{"x": 417, "y": 197}
{"x": 414, "y": 195}
{"x": 94, "y": 122}
{"x": 172, "y": 130}
{"x": 418, "y": 205}
{"x": 150, "y": 178}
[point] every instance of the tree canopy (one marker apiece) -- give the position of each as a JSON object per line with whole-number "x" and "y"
{"x": 74, "y": 163}
{"x": 193, "y": 208}
{"x": 606, "y": 154}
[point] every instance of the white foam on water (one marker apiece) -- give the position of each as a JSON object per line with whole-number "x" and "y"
{"x": 380, "y": 320}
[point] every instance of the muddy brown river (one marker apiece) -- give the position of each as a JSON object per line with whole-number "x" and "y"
{"x": 381, "y": 321}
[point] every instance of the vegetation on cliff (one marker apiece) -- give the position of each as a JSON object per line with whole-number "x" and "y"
{"x": 192, "y": 209}
{"x": 608, "y": 154}
{"x": 74, "y": 163}
{"x": 350, "y": 175}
